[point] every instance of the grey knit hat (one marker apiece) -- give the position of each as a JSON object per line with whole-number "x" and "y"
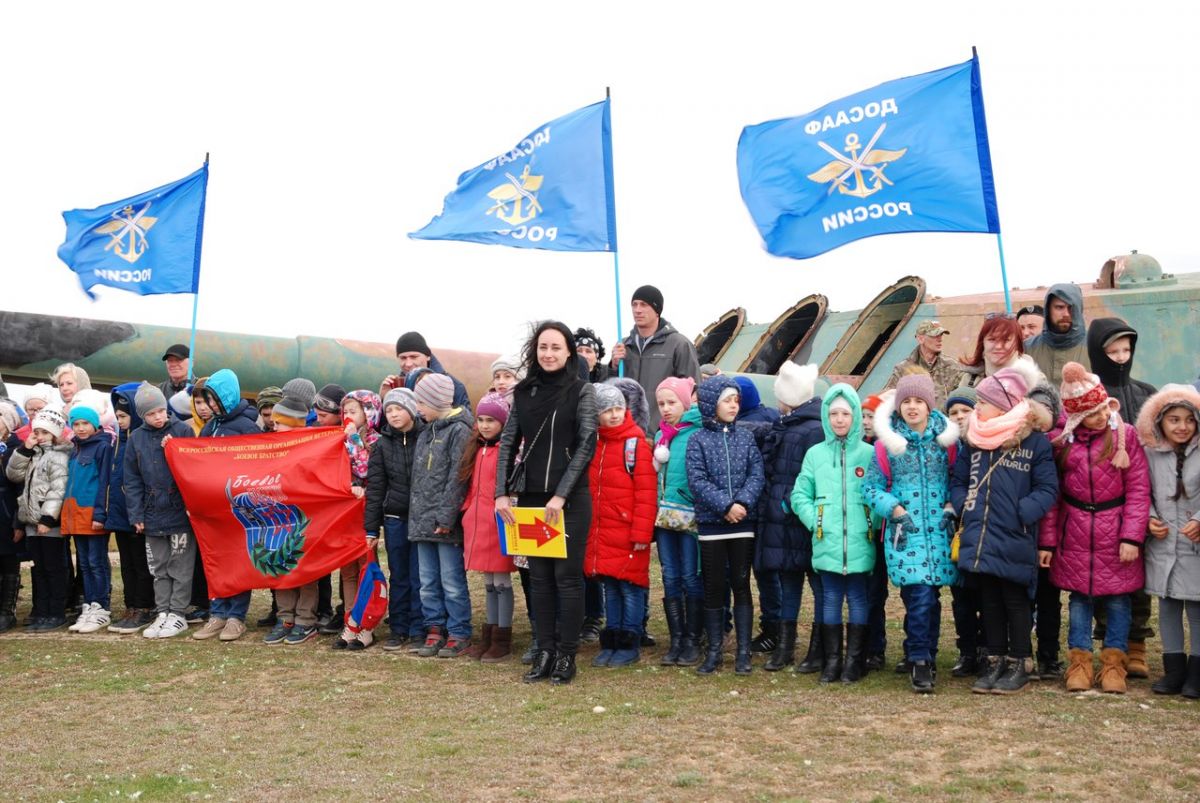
{"x": 1046, "y": 395}
{"x": 147, "y": 399}
{"x": 292, "y": 409}
{"x": 404, "y": 398}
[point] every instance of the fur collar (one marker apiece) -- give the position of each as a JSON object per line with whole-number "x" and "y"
{"x": 896, "y": 443}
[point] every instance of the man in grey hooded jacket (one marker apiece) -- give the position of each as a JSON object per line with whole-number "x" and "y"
{"x": 1064, "y": 339}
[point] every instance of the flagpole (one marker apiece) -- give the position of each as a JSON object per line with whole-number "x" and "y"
{"x": 195, "y": 309}
{"x": 616, "y": 258}
{"x": 1004, "y": 274}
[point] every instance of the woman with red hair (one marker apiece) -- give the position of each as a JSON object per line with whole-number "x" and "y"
{"x": 999, "y": 345}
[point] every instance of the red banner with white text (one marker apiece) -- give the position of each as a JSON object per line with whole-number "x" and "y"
{"x": 270, "y": 511}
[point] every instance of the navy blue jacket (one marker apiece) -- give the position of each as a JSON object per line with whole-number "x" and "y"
{"x": 1000, "y": 525}
{"x": 151, "y": 495}
{"x": 724, "y": 465}
{"x": 232, "y": 415}
{"x": 783, "y": 542}
{"x": 116, "y": 517}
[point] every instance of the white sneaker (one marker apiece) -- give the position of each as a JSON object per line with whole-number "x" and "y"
{"x": 174, "y": 625}
{"x": 84, "y": 615}
{"x": 156, "y": 626}
{"x": 100, "y": 618}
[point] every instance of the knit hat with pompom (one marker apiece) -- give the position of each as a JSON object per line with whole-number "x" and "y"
{"x": 1084, "y": 394}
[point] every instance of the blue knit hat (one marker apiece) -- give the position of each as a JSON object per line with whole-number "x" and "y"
{"x": 81, "y": 412}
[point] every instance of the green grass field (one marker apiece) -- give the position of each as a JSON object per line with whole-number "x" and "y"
{"x": 106, "y": 717}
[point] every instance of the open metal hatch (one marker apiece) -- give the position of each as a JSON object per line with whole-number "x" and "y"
{"x": 715, "y": 340}
{"x": 873, "y": 331}
{"x": 786, "y": 336}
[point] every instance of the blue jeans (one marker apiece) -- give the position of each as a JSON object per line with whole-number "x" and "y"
{"x": 1120, "y": 617}
{"x": 234, "y": 607}
{"x": 791, "y": 591}
{"x": 849, "y": 587}
{"x": 404, "y": 580}
{"x": 624, "y": 604}
{"x": 444, "y": 599}
{"x": 92, "y": 551}
{"x": 679, "y": 554}
{"x": 770, "y": 595}
{"x": 922, "y": 621}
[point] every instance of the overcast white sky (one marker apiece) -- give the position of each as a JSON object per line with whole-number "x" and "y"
{"x": 335, "y": 129}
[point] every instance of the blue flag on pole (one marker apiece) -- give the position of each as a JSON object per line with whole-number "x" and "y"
{"x": 907, "y": 155}
{"x": 146, "y": 244}
{"x": 552, "y": 190}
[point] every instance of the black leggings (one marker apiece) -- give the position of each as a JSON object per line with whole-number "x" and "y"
{"x": 136, "y": 580}
{"x": 50, "y": 576}
{"x": 1048, "y": 603}
{"x": 728, "y": 554}
{"x": 557, "y": 584}
{"x": 1006, "y": 611}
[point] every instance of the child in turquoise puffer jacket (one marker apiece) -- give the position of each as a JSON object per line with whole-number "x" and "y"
{"x": 827, "y": 498}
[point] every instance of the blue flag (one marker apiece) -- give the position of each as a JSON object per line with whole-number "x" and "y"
{"x": 146, "y": 244}
{"x": 908, "y": 155}
{"x": 552, "y": 190}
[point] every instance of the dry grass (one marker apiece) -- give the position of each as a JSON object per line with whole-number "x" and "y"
{"x": 105, "y": 717}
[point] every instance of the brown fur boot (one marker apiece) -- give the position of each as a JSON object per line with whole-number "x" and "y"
{"x": 1112, "y": 671}
{"x": 1135, "y": 660}
{"x": 1080, "y": 675}
{"x": 476, "y": 650}
{"x": 501, "y": 649}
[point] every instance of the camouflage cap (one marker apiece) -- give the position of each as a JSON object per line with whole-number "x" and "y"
{"x": 931, "y": 329}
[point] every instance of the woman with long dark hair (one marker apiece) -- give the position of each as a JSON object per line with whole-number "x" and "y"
{"x": 553, "y": 422}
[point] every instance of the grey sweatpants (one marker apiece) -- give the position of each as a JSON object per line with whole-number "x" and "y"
{"x": 171, "y": 558}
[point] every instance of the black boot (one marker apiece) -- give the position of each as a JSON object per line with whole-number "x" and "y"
{"x": 856, "y": 654}
{"x": 990, "y": 670}
{"x": 564, "y": 668}
{"x": 543, "y": 665}
{"x": 693, "y": 632}
{"x": 1015, "y": 678}
{"x": 271, "y": 618}
{"x": 531, "y": 651}
{"x": 766, "y": 640}
{"x": 1174, "y": 674}
{"x": 1191, "y": 686}
{"x": 9, "y": 583}
{"x": 589, "y": 633}
{"x": 714, "y": 626}
{"x": 673, "y": 608}
{"x": 831, "y": 645}
{"x": 743, "y": 624}
{"x": 785, "y": 650}
{"x": 922, "y": 677}
{"x": 966, "y": 665}
{"x": 815, "y": 658}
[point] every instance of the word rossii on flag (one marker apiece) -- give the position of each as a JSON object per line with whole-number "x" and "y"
{"x": 552, "y": 190}
{"x": 272, "y": 510}
{"x": 147, "y": 244}
{"x": 908, "y": 155}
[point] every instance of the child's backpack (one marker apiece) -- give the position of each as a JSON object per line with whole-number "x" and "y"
{"x": 631, "y": 445}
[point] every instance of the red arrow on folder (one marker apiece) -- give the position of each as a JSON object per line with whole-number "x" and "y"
{"x": 539, "y": 531}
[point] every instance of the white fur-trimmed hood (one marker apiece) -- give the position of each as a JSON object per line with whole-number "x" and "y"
{"x": 896, "y": 443}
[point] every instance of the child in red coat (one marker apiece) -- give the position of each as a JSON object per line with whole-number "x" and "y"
{"x": 624, "y": 491}
{"x": 481, "y": 538}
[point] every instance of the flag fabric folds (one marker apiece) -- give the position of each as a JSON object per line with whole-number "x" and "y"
{"x": 552, "y": 190}
{"x": 147, "y": 244}
{"x": 908, "y": 155}
{"x": 371, "y": 601}
{"x": 272, "y": 510}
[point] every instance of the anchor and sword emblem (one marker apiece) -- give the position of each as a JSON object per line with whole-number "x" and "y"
{"x": 128, "y": 230}
{"x": 844, "y": 168}
{"x": 516, "y": 201}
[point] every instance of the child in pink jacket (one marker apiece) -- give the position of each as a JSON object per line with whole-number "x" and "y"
{"x": 1091, "y": 539}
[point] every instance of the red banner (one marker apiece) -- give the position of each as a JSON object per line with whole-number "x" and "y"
{"x": 270, "y": 511}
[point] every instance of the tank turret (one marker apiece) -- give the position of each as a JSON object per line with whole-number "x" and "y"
{"x": 1132, "y": 271}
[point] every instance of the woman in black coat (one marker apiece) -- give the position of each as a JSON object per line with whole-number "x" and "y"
{"x": 553, "y": 426}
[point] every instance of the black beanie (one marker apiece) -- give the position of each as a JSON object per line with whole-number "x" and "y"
{"x": 651, "y": 295}
{"x": 412, "y": 341}
{"x": 329, "y": 398}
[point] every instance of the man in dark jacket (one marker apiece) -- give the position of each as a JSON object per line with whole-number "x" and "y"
{"x": 1064, "y": 338}
{"x": 654, "y": 350}
{"x": 232, "y": 415}
{"x": 389, "y": 484}
{"x": 413, "y": 352}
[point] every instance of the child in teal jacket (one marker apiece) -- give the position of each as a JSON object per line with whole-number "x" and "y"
{"x": 827, "y": 498}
